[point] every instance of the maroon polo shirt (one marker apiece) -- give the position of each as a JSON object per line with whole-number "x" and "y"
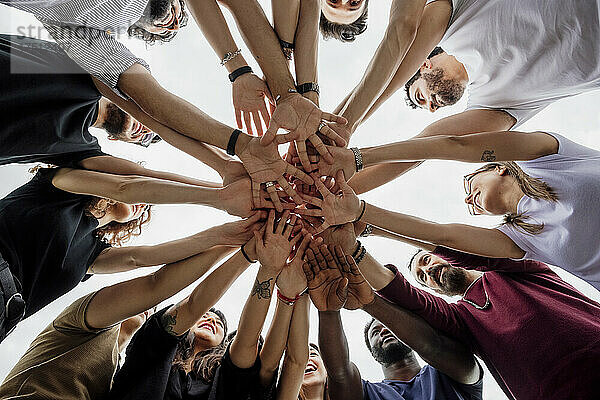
{"x": 538, "y": 335}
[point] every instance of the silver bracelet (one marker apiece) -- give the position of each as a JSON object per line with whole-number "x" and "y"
{"x": 358, "y": 160}
{"x": 230, "y": 56}
{"x": 367, "y": 231}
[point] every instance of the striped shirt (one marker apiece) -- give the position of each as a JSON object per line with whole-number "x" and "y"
{"x": 87, "y": 31}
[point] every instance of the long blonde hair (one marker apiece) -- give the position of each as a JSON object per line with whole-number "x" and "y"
{"x": 531, "y": 187}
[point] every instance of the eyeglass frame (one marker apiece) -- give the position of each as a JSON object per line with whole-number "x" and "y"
{"x": 467, "y": 186}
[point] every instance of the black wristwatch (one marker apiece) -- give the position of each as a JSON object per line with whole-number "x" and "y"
{"x": 239, "y": 72}
{"x": 308, "y": 87}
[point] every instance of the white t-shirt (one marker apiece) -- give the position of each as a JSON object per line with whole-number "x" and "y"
{"x": 522, "y": 55}
{"x": 571, "y": 235}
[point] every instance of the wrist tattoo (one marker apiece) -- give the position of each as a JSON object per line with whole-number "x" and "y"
{"x": 168, "y": 321}
{"x": 488, "y": 155}
{"x": 262, "y": 289}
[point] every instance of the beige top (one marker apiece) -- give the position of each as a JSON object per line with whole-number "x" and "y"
{"x": 67, "y": 361}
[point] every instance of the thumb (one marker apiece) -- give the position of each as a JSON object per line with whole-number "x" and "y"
{"x": 259, "y": 240}
{"x": 340, "y": 179}
{"x": 270, "y": 134}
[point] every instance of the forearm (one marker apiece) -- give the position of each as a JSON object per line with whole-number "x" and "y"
{"x": 394, "y": 236}
{"x": 401, "y": 31}
{"x": 120, "y": 166}
{"x": 296, "y": 355}
{"x": 441, "y": 352}
{"x": 171, "y": 110}
{"x": 285, "y": 18}
{"x": 307, "y": 46}
{"x": 211, "y": 21}
{"x": 123, "y": 300}
{"x": 260, "y": 38}
{"x": 275, "y": 341}
{"x": 244, "y": 348}
{"x": 334, "y": 347}
{"x": 476, "y": 147}
{"x": 466, "y": 238}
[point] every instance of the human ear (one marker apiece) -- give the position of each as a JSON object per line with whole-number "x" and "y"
{"x": 426, "y": 65}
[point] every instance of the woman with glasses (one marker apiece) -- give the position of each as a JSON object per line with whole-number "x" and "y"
{"x": 544, "y": 185}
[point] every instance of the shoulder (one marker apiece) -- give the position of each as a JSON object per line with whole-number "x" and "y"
{"x": 442, "y": 383}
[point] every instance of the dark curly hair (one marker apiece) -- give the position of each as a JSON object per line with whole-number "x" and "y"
{"x": 116, "y": 233}
{"x": 417, "y": 75}
{"x": 344, "y": 32}
{"x": 156, "y": 9}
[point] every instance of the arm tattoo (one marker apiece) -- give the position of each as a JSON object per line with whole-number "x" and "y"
{"x": 168, "y": 321}
{"x": 262, "y": 289}
{"x": 488, "y": 155}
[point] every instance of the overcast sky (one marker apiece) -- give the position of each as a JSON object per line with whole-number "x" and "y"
{"x": 189, "y": 68}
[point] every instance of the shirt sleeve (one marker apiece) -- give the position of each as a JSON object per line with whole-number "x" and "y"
{"x": 149, "y": 358}
{"x": 433, "y": 309}
{"x": 96, "y": 51}
{"x": 72, "y": 320}
{"x": 470, "y": 261}
{"x": 567, "y": 150}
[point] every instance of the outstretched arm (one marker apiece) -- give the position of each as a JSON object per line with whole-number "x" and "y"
{"x": 117, "y": 302}
{"x": 343, "y": 377}
{"x": 306, "y": 51}
{"x": 473, "y": 147}
{"x": 471, "y": 121}
{"x": 119, "y": 259}
{"x": 438, "y": 350}
{"x": 272, "y": 252}
{"x": 296, "y": 355}
{"x": 405, "y": 17}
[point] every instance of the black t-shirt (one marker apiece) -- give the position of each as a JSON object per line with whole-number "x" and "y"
{"x": 47, "y": 239}
{"x": 147, "y": 372}
{"x": 47, "y": 104}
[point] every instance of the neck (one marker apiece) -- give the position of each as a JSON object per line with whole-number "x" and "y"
{"x": 101, "y": 112}
{"x": 403, "y": 370}
{"x": 314, "y": 392}
{"x": 471, "y": 276}
{"x": 512, "y": 196}
{"x": 459, "y": 70}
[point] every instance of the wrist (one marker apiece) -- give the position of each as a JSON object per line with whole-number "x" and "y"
{"x": 235, "y": 63}
{"x": 369, "y": 306}
{"x": 360, "y": 211}
{"x": 242, "y": 143}
{"x": 286, "y": 95}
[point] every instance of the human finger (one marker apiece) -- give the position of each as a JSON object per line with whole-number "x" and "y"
{"x": 248, "y": 122}
{"x": 287, "y": 188}
{"x": 308, "y": 272}
{"x": 315, "y": 201}
{"x": 275, "y": 198}
{"x": 289, "y": 226}
{"x": 321, "y": 148}
{"x": 303, "y": 155}
{"x": 256, "y": 194}
{"x": 238, "y": 118}
{"x": 257, "y": 123}
{"x": 319, "y": 256}
{"x": 282, "y": 222}
{"x": 271, "y": 221}
{"x": 341, "y": 258}
{"x": 312, "y": 261}
{"x": 334, "y": 118}
{"x": 306, "y": 239}
{"x": 259, "y": 240}
{"x": 320, "y": 186}
{"x": 270, "y": 134}
{"x": 298, "y": 173}
{"x": 313, "y": 212}
{"x": 286, "y": 137}
{"x": 333, "y": 135}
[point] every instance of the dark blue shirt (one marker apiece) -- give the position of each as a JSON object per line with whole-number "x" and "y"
{"x": 428, "y": 384}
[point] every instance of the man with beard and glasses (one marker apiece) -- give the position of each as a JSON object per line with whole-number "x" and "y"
{"x": 514, "y": 57}
{"x": 334, "y": 281}
{"x": 537, "y": 334}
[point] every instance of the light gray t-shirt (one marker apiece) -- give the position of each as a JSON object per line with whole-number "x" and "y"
{"x": 571, "y": 235}
{"x": 522, "y": 55}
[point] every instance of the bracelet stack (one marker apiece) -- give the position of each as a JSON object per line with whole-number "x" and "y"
{"x": 359, "y": 253}
{"x": 287, "y": 48}
{"x": 358, "y": 160}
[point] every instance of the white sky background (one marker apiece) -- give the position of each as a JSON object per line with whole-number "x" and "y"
{"x": 189, "y": 68}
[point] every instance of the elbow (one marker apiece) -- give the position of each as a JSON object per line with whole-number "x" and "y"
{"x": 454, "y": 144}
{"x": 403, "y": 30}
{"x": 297, "y": 358}
{"x": 126, "y": 189}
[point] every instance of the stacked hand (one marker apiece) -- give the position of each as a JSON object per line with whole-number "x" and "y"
{"x": 274, "y": 246}
{"x": 302, "y": 119}
{"x": 335, "y": 281}
{"x": 239, "y": 232}
{"x": 249, "y": 93}
{"x": 291, "y": 280}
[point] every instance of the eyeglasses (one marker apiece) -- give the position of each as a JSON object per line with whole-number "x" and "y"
{"x": 148, "y": 139}
{"x": 467, "y": 185}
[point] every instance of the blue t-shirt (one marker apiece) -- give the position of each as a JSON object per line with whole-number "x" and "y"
{"x": 429, "y": 384}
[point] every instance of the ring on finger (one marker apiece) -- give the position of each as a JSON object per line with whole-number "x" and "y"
{"x": 322, "y": 124}
{"x": 270, "y": 184}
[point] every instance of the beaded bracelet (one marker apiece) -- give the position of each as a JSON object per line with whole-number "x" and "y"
{"x": 367, "y": 231}
{"x": 360, "y": 257}
{"x": 357, "y": 250}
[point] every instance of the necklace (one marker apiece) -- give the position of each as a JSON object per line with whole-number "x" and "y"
{"x": 477, "y": 306}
